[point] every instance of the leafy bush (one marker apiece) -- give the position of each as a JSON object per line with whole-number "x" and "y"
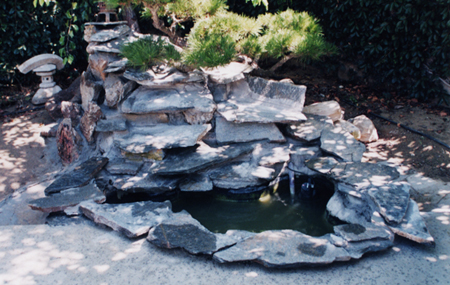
{"x": 32, "y": 27}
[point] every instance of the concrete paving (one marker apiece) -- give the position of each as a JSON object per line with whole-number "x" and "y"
{"x": 83, "y": 253}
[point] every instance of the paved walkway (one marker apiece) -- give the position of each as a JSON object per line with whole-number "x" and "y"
{"x": 88, "y": 254}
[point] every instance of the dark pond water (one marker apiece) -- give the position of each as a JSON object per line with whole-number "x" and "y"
{"x": 271, "y": 212}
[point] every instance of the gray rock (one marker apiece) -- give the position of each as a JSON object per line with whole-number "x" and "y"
{"x": 392, "y": 200}
{"x": 99, "y": 62}
{"x": 341, "y": 144}
{"x": 80, "y": 176}
{"x": 124, "y": 166}
{"x": 132, "y": 219}
{"x": 116, "y": 66}
{"x": 111, "y": 125}
{"x": 68, "y": 198}
{"x": 362, "y": 174}
{"x": 180, "y": 230}
{"x": 116, "y": 88}
{"x": 322, "y": 165}
{"x": 241, "y": 175}
{"x": 89, "y": 121}
{"x": 204, "y": 156}
{"x": 285, "y": 94}
{"x": 70, "y": 110}
{"x": 157, "y": 76}
{"x": 261, "y": 111}
{"x": 356, "y": 232}
{"x": 283, "y": 249}
{"x": 300, "y": 155}
{"x": 330, "y": 109}
{"x": 90, "y": 89}
{"x": 161, "y": 137}
{"x": 197, "y": 117}
{"x": 311, "y": 129}
{"x": 231, "y": 72}
{"x": 413, "y": 226}
{"x": 349, "y": 208}
{"x": 145, "y": 100}
{"x": 147, "y": 183}
{"x": 196, "y": 183}
{"x": 270, "y": 154}
{"x": 108, "y": 35}
{"x": 349, "y": 127}
{"x": 365, "y": 125}
{"x": 228, "y": 132}
{"x": 113, "y": 46}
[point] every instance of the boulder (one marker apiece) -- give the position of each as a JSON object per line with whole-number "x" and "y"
{"x": 392, "y": 200}
{"x": 66, "y": 141}
{"x": 365, "y": 125}
{"x": 116, "y": 89}
{"x": 90, "y": 89}
{"x": 331, "y": 109}
{"x": 349, "y": 127}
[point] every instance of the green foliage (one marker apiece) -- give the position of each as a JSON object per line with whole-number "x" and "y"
{"x": 33, "y": 27}
{"x": 147, "y": 52}
{"x": 392, "y": 41}
{"x": 269, "y": 36}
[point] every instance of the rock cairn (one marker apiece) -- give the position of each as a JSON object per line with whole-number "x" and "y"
{"x": 162, "y": 130}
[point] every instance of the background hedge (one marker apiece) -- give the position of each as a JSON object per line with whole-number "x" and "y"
{"x": 391, "y": 41}
{"x": 32, "y": 27}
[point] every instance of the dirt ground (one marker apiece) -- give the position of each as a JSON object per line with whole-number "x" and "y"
{"x": 26, "y": 156}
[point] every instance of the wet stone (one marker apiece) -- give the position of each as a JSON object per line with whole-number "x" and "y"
{"x": 392, "y": 200}
{"x": 131, "y": 219}
{"x": 311, "y": 129}
{"x": 80, "y": 176}
{"x": 148, "y": 183}
{"x": 283, "y": 249}
{"x": 161, "y": 136}
{"x": 180, "y": 230}
{"x": 228, "y": 132}
{"x": 413, "y": 226}
{"x": 124, "y": 166}
{"x": 204, "y": 156}
{"x": 341, "y": 144}
{"x": 68, "y": 198}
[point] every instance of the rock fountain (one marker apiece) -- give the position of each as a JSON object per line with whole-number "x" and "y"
{"x": 161, "y": 131}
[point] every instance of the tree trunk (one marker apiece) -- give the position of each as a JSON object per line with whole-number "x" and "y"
{"x": 131, "y": 18}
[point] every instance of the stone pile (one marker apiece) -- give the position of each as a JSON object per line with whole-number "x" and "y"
{"x": 162, "y": 130}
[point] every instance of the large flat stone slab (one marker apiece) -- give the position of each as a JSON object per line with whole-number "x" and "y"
{"x": 110, "y": 34}
{"x": 146, "y": 182}
{"x": 204, "y": 156}
{"x": 163, "y": 136}
{"x": 342, "y": 144}
{"x": 124, "y": 166}
{"x": 229, "y": 73}
{"x": 392, "y": 200}
{"x": 111, "y": 125}
{"x": 283, "y": 249}
{"x": 241, "y": 175}
{"x": 148, "y": 100}
{"x": 68, "y": 198}
{"x": 79, "y": 176}
{"x": 132, "y": 219}
{"x": 196, "y": 183}
{"x": 261, "y": 110}
{"x": 228, "y": 132}
{"x": 180, "y": 230}
{"x": 413, "y": 226}
{"x": 311, "y": 129}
